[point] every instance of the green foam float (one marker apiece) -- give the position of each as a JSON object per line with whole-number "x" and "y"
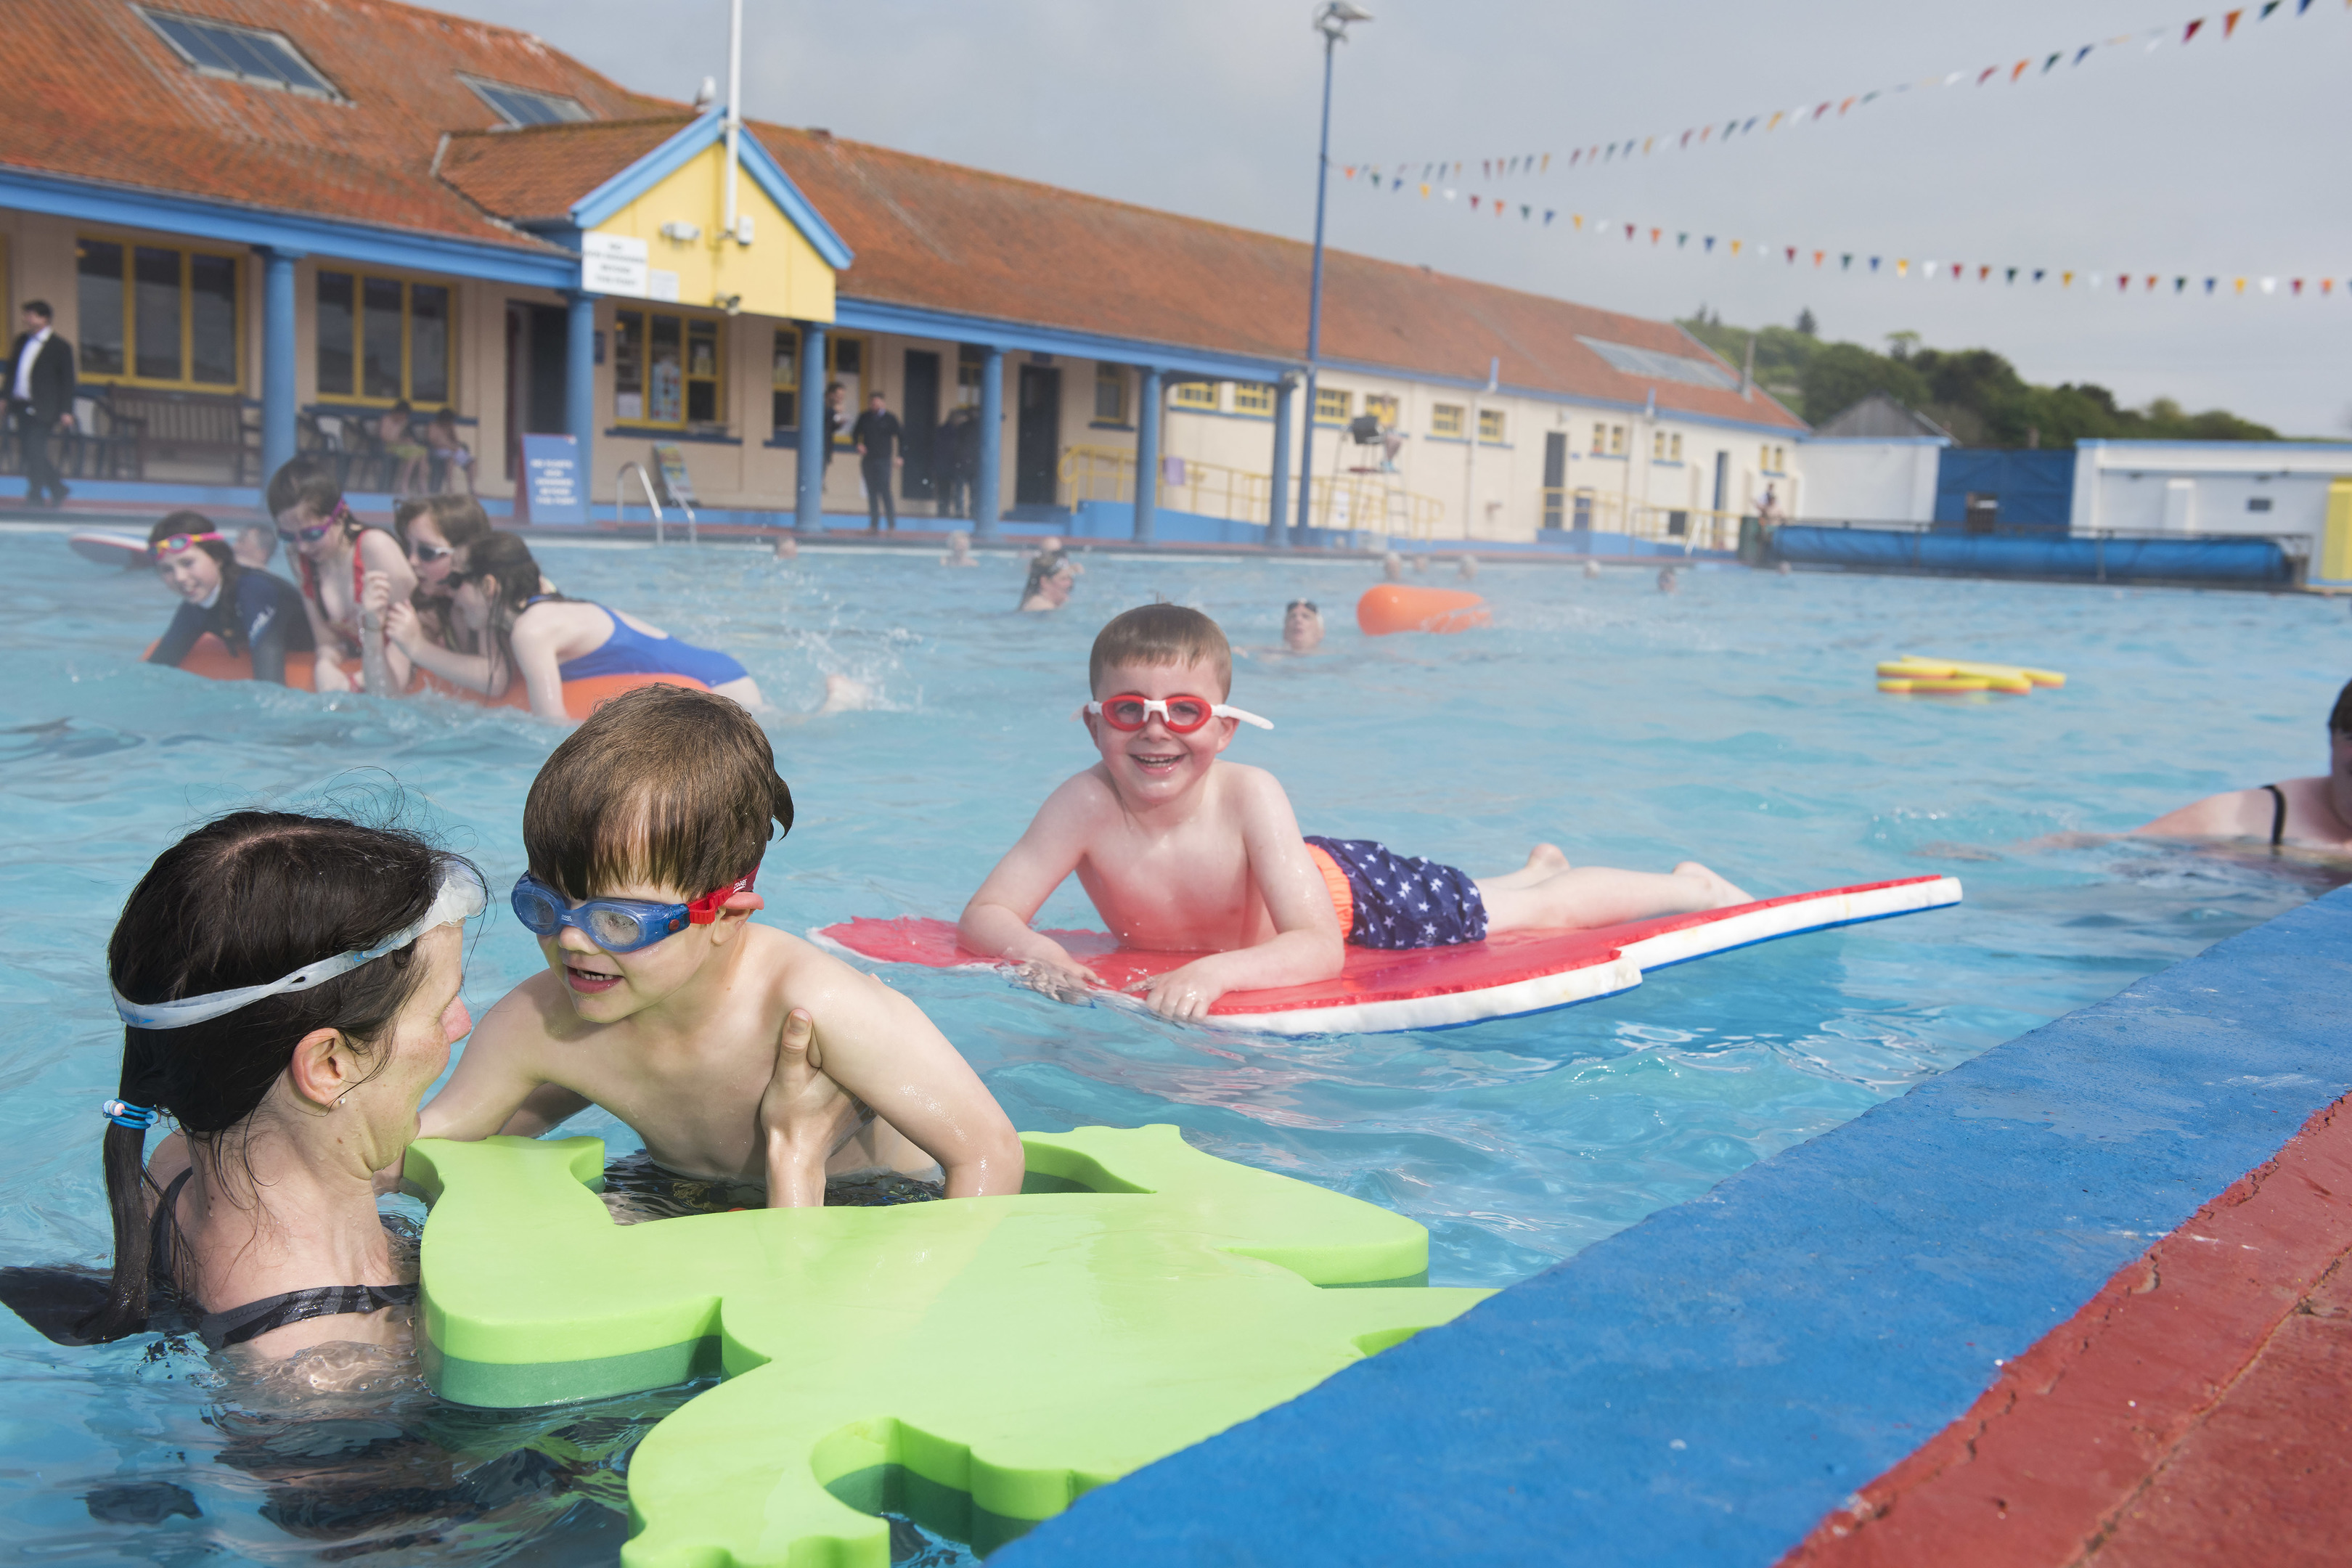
{"x": 978, "y": 1363}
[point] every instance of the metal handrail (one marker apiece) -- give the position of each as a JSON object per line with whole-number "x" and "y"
{"x": 644, "y": 483}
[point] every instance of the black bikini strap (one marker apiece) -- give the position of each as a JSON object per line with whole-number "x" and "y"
{"x": 2278, "y": 815}
{"x": 238, "y": 1324}
{"x": 162, "y": 1246}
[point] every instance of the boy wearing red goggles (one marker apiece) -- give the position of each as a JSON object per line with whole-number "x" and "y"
{"x": 1185, "y": 853}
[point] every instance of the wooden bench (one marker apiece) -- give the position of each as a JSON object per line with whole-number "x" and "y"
{"x": 179, "y": 426}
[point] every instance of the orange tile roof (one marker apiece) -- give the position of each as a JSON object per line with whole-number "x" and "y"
{"x": 540, "y": 170}
{"x": 940, "y": 237}
{"x": 93, "y": 93}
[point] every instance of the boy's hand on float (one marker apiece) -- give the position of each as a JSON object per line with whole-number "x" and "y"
{"x": 803, "y": 1115}
{"x": 1183, "y": 995}
{"x": 1063, "y": 980}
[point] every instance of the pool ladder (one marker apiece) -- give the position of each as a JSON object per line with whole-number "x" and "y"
{"x": 652, "y": 502}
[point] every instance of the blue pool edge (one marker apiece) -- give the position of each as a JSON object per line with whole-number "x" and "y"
{"x": 1703, "y": 1386}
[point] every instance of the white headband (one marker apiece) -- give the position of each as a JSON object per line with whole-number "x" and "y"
{"x": 460, "y": 897}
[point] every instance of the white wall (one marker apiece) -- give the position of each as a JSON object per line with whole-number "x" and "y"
{"x": 1867, "y": 481}
{"x": 2205, "y": 487}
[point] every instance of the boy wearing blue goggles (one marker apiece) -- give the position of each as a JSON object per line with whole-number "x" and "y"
{"x": 711, "y": 1037}
{"x": 617, "y": 925}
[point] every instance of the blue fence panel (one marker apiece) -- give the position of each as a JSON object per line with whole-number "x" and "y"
{"x": 2036, "y": 488}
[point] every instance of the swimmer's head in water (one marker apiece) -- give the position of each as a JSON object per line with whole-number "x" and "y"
{"x": 1302, "y": 625}
{"x": 664, "y": 786}
{"x": 1158, "y": 635}
{"x": 249, "y": 900}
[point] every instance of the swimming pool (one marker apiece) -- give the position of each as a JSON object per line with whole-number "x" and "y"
{"x": 1735, "y": 722}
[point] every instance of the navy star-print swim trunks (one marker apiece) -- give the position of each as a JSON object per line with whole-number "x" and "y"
{"x": 1404, "y": 902}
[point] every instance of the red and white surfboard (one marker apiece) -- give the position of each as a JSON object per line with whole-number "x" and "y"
{"x": 1443, "y": 988}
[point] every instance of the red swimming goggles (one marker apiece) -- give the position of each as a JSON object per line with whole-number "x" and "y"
{"x": 180, "y": 542}
{"x": 1182, "y": 713}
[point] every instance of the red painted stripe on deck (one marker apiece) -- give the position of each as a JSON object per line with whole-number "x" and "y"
{"x": 2198, "y": 1409}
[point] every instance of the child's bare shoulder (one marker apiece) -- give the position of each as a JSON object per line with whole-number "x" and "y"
{"x": 799, "y": 973}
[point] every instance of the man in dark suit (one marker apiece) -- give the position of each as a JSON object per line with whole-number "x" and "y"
{"x": 878, "y": 438}
{"x": 40, "y": 398}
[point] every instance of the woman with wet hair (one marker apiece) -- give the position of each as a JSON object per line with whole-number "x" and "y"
{"x": 287, "y": 986}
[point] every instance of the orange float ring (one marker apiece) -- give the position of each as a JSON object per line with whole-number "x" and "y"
{"x": 211, "y": 659}
{"x": 1389, "y": 607}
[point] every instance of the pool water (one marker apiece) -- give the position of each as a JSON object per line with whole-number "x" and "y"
{"x": 1736, "y": 723}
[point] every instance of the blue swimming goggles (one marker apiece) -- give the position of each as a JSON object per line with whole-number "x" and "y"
{"x": 617, "y": 925}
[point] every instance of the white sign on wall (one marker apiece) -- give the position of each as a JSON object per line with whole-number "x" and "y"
{"x": 616, "y": 264}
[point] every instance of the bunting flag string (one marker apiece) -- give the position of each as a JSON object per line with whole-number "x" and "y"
{"x": 1888, "y": 265}
{"x": 1430, "y": 173}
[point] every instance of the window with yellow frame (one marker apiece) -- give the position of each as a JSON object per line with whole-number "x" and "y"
{"x": 1382, "y": 406}
{"x": 1445, "y": 419}
{"x": 159, "y": 315}
{"x": 382, "y": 340}
{"x": 1492, "y": 426}
{"x": 1600, "y": 440}
{"x": 667, "y": 370}
{"x": 784, "y": 379}
{"x": 1254, "y": 398}
{"x": 1772, "y": 460}
{"x": 1110, "y": 394}
{"x": 1664, "y": 448}
{"x": 1199, "y": 394}
{"x": 1332, "y": 407}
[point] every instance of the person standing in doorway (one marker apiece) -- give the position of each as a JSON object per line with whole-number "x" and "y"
{"x": 948, "y": 445}
{"x": 878, "y": 439}
{"x": 836, "y": 395}
{"x": 40, "y": 399}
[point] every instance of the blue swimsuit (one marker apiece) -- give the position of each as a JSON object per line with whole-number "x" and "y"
{"x": 629, "y": 651}
{"x": 1405, "y": 902}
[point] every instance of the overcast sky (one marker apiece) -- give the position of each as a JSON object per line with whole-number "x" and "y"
{"x": 2213, "y": 158}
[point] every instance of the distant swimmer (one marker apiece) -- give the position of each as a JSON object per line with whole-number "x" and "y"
{"x": 1302, "y": 627}
{"x": 788, "y": 546}
{"x": 1469, "y": 569}
{"x": 1051, "y": 577}
{"x": 1667, "y": 582}
{"x": 249, "y": 610}
{"x": 548, "y": 640}
{"x": 959, "y": 549}
{"x": 2306, "y": 813}
{"x": 1392, "y": 567}
{"x": 1591, "y": 567}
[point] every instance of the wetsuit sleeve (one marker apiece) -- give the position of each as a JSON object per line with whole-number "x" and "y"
{"x": 262, "y": 611}
{"x": 187, "y": 626}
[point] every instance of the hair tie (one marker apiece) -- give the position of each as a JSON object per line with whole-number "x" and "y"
{"x": 122, "y": 1113}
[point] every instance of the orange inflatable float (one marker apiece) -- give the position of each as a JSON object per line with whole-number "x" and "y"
{"x": 1389, "y": 607}
{"x": 211, "y": 659}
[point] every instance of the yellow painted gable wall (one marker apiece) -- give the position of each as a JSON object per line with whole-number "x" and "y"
{"x": 778, "y": 274}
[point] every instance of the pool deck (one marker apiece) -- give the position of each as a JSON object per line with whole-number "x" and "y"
{"x": 2084, "y": 1296}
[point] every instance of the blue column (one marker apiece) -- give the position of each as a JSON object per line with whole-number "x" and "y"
{"x": 991, "y": 444}
{"x": 1277, "y": 533}
{"x": 580, "y": 388}
{"x": 808, "y": 509}
{"x": 277, "y": 430}
{"x": 1147, "y": 453}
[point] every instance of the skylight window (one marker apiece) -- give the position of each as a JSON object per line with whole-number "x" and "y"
{"x": 520, "y": 106}
{"x": 1662, "y": 366}
{"x": 241, "y": 54}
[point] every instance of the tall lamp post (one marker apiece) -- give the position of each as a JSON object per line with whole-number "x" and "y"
{"x": 1331, "y": 21}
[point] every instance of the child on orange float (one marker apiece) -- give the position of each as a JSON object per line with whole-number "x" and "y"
{"x": 1183, "y": 852}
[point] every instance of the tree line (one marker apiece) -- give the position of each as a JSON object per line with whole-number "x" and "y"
{"x": 1974, "y": 394}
